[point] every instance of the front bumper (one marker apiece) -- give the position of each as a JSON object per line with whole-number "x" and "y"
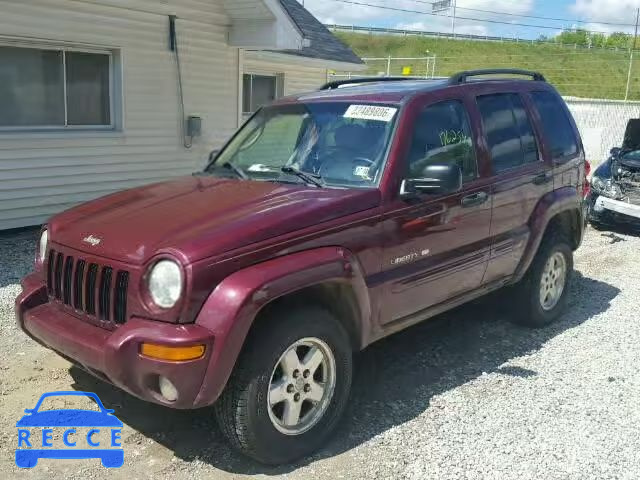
{"x": 618, "y": 211}
{"x": 115, "y": 356}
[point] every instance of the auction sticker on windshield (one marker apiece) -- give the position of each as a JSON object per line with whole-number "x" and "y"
{"x": 371, "y": 112}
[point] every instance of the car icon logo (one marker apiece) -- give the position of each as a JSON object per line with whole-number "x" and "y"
{"x": 85, "y": 433}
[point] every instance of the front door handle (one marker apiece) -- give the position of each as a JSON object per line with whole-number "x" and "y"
{"x": 542, "y": 179}
{"x": 475, "y": 199}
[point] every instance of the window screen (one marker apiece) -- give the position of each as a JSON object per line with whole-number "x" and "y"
{"x": 33, "y": 84}
{"x": 555, "y": 125}
{"x": 88, "y": 89}
{"x": 442, "y": 135}
{"x": 260, "y": 90}
{"x": 508, "y": 131}
{"x": 31, "y": 87}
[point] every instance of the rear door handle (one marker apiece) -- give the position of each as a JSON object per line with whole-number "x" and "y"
{"x": 475, "y": 199}
{"x": 542, "y": 179}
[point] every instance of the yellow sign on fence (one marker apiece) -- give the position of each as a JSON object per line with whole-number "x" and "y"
{"x": 406, "y": 70}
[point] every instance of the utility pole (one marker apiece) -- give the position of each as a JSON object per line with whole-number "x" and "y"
{"x": 453, "y": 20}
{"x": 631, "y": 50}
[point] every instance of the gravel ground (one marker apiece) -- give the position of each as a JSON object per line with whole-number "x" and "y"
{"x": 467, "y": 396}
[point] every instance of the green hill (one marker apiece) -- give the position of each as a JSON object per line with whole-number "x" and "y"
{"x": 579, "y": 72}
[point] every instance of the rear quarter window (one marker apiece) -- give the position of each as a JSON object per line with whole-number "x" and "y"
{"x": 556, "y": 127}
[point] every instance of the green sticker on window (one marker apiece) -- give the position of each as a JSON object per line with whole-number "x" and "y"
{"x": 452, "y": 137}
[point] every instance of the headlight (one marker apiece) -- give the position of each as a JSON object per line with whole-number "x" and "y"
{"x": 165, "y": 283}
{"x": 598, "y": 184}
{"x": 606, "y": 187}
{"x": 42, "y": 246}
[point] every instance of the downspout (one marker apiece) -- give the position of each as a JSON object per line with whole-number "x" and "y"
{"x": 240, "y": 86}
{"x": 173, "y": 46}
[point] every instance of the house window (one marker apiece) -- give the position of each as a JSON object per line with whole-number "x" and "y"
{"x": 259, "y": 90}
{"x": 55, "y": 88}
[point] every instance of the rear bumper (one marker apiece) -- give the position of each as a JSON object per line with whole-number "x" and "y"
{"x": 115, "y": 355}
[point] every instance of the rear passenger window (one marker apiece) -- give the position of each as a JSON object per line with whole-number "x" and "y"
{"x": 442, "y": 135}
{"x": 528, "y": 139}
{"x": 508, "y": 131}
{"x": 555, "y": 125}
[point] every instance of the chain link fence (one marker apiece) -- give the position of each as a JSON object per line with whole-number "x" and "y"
{"x": 602, "y": 124}
{"x": 604, "y": 73}
{"x": 422, "y": 67}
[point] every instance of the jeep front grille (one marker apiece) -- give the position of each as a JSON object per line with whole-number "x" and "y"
{"x": 88, "y": 287}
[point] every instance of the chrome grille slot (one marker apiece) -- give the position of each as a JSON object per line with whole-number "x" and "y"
{"x": 66, "y": 280}
{"x": 57, "y": 282}
{"x": 120, "y": 301}
{"x": 104, "y": 296}
{"x": 90, "y": 295}
{"x": 78, "y": 284}
{"x": 50, "y": 266}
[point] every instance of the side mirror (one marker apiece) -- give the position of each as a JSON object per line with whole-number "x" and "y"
{"x": 615, "y": 152}
{"x": 438, "y": 179}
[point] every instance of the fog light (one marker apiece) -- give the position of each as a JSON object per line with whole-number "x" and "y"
{"x": 167, "y": 389}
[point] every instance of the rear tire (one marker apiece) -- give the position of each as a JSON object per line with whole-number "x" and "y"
{"x": 541, "y": 296}
{"x": 248, "y": 411}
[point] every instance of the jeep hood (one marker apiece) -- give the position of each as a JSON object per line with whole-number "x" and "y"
{"x": 200, "y": 217}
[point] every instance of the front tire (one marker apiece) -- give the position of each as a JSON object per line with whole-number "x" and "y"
{"x": 541, "y": 296}
{"x": 290, "y": 386}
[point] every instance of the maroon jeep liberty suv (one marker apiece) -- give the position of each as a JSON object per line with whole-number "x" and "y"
{"x": 329, "y": 221}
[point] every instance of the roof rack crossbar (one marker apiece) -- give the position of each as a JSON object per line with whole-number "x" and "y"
{"x": 357, "y": 81}
{"x": 463, "y": 76}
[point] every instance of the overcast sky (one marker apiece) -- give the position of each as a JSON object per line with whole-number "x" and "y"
{"x": 592, "y": 12}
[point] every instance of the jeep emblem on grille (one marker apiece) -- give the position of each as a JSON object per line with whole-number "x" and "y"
{"x": 91, "y": 240}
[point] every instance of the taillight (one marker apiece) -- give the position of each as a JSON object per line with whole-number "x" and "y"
{"x": 586, "y": 187}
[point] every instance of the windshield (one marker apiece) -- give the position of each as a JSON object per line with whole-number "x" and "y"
{"x": 341, "y": 144}
{"x": 632, "y": 155}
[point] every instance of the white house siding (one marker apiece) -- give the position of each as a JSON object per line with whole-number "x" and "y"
{"x": 298, "y": 76}
{"x": 42, "y": 173}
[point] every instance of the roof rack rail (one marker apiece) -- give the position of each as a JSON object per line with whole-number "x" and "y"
{"x": 357, "y": 81}
{"x": 463, "y": 76}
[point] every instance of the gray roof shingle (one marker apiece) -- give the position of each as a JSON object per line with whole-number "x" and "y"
{"x": 324, "y": 45}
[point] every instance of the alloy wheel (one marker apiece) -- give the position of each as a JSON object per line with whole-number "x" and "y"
{"x": 552, "y": 284}
{"x": 301, "y": 386}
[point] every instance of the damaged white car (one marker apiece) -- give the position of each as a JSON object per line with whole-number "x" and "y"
{"x": 615, "y": 185}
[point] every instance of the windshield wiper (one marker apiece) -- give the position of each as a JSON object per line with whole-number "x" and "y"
{"x": 309, "y": 178}
{"x": 237, "y": 170}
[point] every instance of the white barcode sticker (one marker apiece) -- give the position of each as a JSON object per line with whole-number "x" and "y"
{"x": 371, "y": 112}
{"x": 361, "y": 171}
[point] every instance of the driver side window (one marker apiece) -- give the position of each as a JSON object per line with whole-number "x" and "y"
{"x": 442, "y": 135}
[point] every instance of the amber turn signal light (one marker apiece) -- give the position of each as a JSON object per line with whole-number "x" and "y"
{"x": 172, "y": 354}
